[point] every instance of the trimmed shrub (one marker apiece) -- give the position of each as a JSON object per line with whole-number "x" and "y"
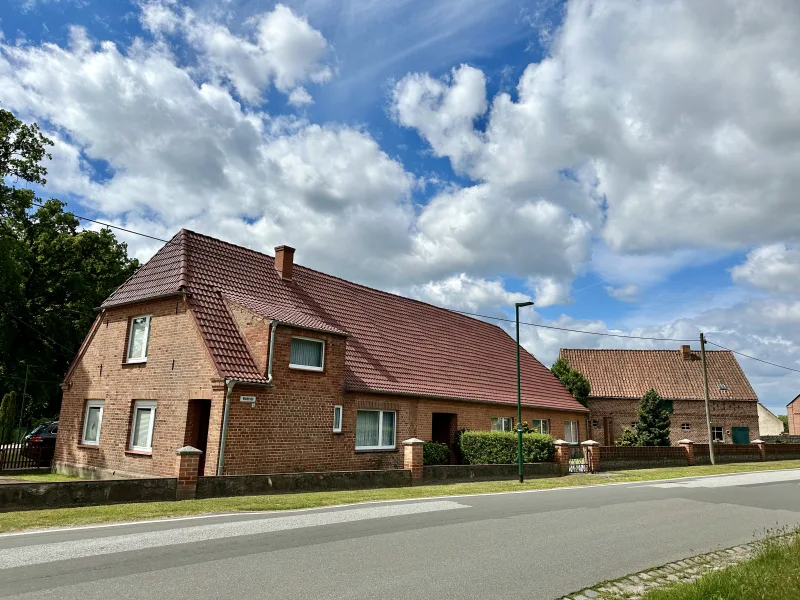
{"x": 435, "y": 453}
{"x": 500, "y": 447}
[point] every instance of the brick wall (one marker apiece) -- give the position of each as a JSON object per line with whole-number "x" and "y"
{"x": 178, "y": 369}
{"x": 793, "y": 412}
{"x": 621, "y": 413}
{"x": 614, "y": 458}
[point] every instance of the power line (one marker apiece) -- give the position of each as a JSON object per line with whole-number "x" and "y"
{"x": 152, "y": 237}
{"x": 766, "y": 362}
{"x": 32, "y": 328}
{"x": 618, "y": 335}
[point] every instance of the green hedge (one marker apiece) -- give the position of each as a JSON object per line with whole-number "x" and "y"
{"x": 434, "y": 453}
{"x": 500, "y": 447}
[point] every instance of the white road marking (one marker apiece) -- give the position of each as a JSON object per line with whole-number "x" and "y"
{"x": 732, "y": 480}
{"x": 45, "y": 553}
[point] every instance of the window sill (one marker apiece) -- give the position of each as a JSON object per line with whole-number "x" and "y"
{"x": 139, "y": 452}
{"x": 368, "y": 450}
{"x": 134, "y": 363}
{"x": 89, "y": 446}
{"x": 309, "y": 369}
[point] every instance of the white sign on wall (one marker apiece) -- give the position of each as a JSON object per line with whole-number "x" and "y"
{"x": 250, "y": 399}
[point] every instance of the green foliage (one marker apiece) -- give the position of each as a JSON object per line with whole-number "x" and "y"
{"x": 434, "y": 453}
{"x": 785, "y": 420}
{"x": 652, "y": 428}
{"x": 52, "y": 275}
{"x": 629, "y": 438}
{"x": 500, "y": 447}
{"x": 573, "y": 380}
{"x": 8, "y": 416}
{"x": 457, "y": 446}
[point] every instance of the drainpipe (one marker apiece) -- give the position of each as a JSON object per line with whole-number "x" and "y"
{"x": 230, "y": 383}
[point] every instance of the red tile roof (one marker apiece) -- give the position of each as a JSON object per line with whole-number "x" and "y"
{"x": 630, "y": 373}
{"x": 395, "y": 344}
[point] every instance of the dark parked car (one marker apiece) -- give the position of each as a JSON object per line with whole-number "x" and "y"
{"x": 40, "y": 444}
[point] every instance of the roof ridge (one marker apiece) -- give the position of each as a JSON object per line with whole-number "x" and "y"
{"x": 346, "y": 281}
{"x": 634, "y": 350}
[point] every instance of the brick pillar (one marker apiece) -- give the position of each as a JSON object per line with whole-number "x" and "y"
{"x": 562, "y": 457}
{"x": 187, "y": 466}
{"x": 688, "y": 446}
{"x": 591, "y": 452}
{"x": 412, "y": 459}
{"x": 761, "y": 448}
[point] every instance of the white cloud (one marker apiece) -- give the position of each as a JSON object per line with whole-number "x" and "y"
{"x": 550, "y": 290}
{"x": 625, "y": 293}
{"x": 462, "y": 292}
{"x": 282, "y": 48}
{"x": 774, "y": 268}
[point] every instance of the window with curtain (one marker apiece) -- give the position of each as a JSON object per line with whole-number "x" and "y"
{"x": 502, "y": 424}
{"x": 144, "y": 419}
{"x": 571, "y": 432}
{"x": 138, "y": 339}
{"x": 337, "y": 419}
{"x": 307, "y": 354}
{"x": 375, "y": 429}
{"x": 92, "y": 421}
{"x": 540, "y": 425}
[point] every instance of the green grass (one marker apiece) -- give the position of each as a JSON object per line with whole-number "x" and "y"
{"x": 131, "y": 512}
{"x": 38, "y": 477}
{"x": 773, "y": 574}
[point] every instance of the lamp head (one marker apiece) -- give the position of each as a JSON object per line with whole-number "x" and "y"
{"x": 521, "y": 304}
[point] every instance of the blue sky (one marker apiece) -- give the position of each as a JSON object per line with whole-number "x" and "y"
{"x": 630, "y": 167}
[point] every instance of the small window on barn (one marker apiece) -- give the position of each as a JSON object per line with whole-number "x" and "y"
{"x": 337, "y": 419}
{"x": 502, "y": 424}
{"x": 307, "y": 354}
{"x": 722, "y": 387}
{"x": 685, "y": 426}
{"x": 717, "y": 435}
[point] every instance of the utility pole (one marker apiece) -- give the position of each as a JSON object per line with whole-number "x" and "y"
{"x": 22, "y": 410}
{"x": 517, "y": 306}
{"x": 708, "y": 402}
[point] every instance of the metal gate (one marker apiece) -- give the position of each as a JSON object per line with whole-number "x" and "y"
{"x": 577, "y": 460}
{"x": 29, "y": 452}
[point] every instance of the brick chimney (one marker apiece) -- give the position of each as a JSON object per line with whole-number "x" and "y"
{"x": 284, "y": 261}
{"x": 686, "y": 352}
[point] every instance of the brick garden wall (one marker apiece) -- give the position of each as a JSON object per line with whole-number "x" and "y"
{"x": 618, "y": 458}
{"x": 727, "y": 453}
{"x": 178, "y": 369}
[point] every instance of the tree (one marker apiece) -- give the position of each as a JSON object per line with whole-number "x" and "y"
{"x": 652, "y": 429}
{"x": 785, "y": 420}
{"x": 573, "y": 380}
{"x": 8, "y": 416}
{"x": 52, "y": 274}
{"x": 628, "y": 438}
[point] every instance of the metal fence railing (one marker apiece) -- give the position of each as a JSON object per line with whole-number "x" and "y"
{"x": 19, "y": 452}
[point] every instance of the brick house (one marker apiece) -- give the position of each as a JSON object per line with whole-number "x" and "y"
{"x": 793, "y": 413}
{"x": 619, "y": 379}
{"x": 269, "y": 367}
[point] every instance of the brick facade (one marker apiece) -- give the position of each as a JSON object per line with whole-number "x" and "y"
{"x": 609, "y": 416}
{"x": 289, "y": 428}
{"x": 793, "y": 412}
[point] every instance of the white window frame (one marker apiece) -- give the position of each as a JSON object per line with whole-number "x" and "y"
{"x": 151, "y": 404}
{"x": 92, "y": 404}
{"x": 307, "y": 367}
{"x": 722, "y": 434}
{"x": 545, "y": 422}
{"x": 143, "y": 359}
{"x": 576, "y": 431}
{"x": 500, "y": 422}
{"x": 686, "y": 427}
{"x": 380, "y": 429}
{"x": 337, "y": 410}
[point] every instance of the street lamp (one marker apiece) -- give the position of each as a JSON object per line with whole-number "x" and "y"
{"x": 519, "y": 305}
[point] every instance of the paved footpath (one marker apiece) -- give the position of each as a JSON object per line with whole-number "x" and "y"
{"x": 535, "y": 545}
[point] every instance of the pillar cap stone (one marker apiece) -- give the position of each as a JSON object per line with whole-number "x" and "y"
{"x": 590, "y": 443}
{"x": 413, "y": 442}
{"x": 561, "y": 443}
{"x": 685, "y": 441}
{"x": 758, "y": 442}
{"x": 188, "y": 450}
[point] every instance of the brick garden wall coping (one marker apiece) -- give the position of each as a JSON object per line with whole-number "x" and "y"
{"x": 437, "y": 473}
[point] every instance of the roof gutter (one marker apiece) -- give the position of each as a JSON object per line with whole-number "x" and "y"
{"x": 229, "y": 390}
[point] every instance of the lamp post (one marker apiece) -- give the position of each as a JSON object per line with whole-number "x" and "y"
{"x": 519, "y": 305}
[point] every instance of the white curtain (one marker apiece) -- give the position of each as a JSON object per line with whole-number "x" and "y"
{"x": 388, "y": 429}
{"x": 367, "y": 426}
{"x": 92, "y": 424}
{"x": 138, "y": 338}
{"x": 306, "y": 353}
{"x": 141, "y": 427}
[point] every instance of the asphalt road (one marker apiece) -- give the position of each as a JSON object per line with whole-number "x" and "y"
{"x": 519, "y": 545}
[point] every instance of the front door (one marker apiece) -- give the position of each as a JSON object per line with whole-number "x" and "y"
{"x": 740, "y": 435}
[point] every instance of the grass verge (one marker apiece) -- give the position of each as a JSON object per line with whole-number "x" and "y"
{"x": 11, "y": 521}
{"x": 36, "y": 478}
{"x": 774, "y": 574}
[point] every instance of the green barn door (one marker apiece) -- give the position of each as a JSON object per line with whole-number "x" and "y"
{"x": 741, "y": 435}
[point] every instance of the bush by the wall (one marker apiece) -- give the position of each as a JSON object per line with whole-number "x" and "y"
{"x": 500, "y": 447}
{"x": 434, "y": 453}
